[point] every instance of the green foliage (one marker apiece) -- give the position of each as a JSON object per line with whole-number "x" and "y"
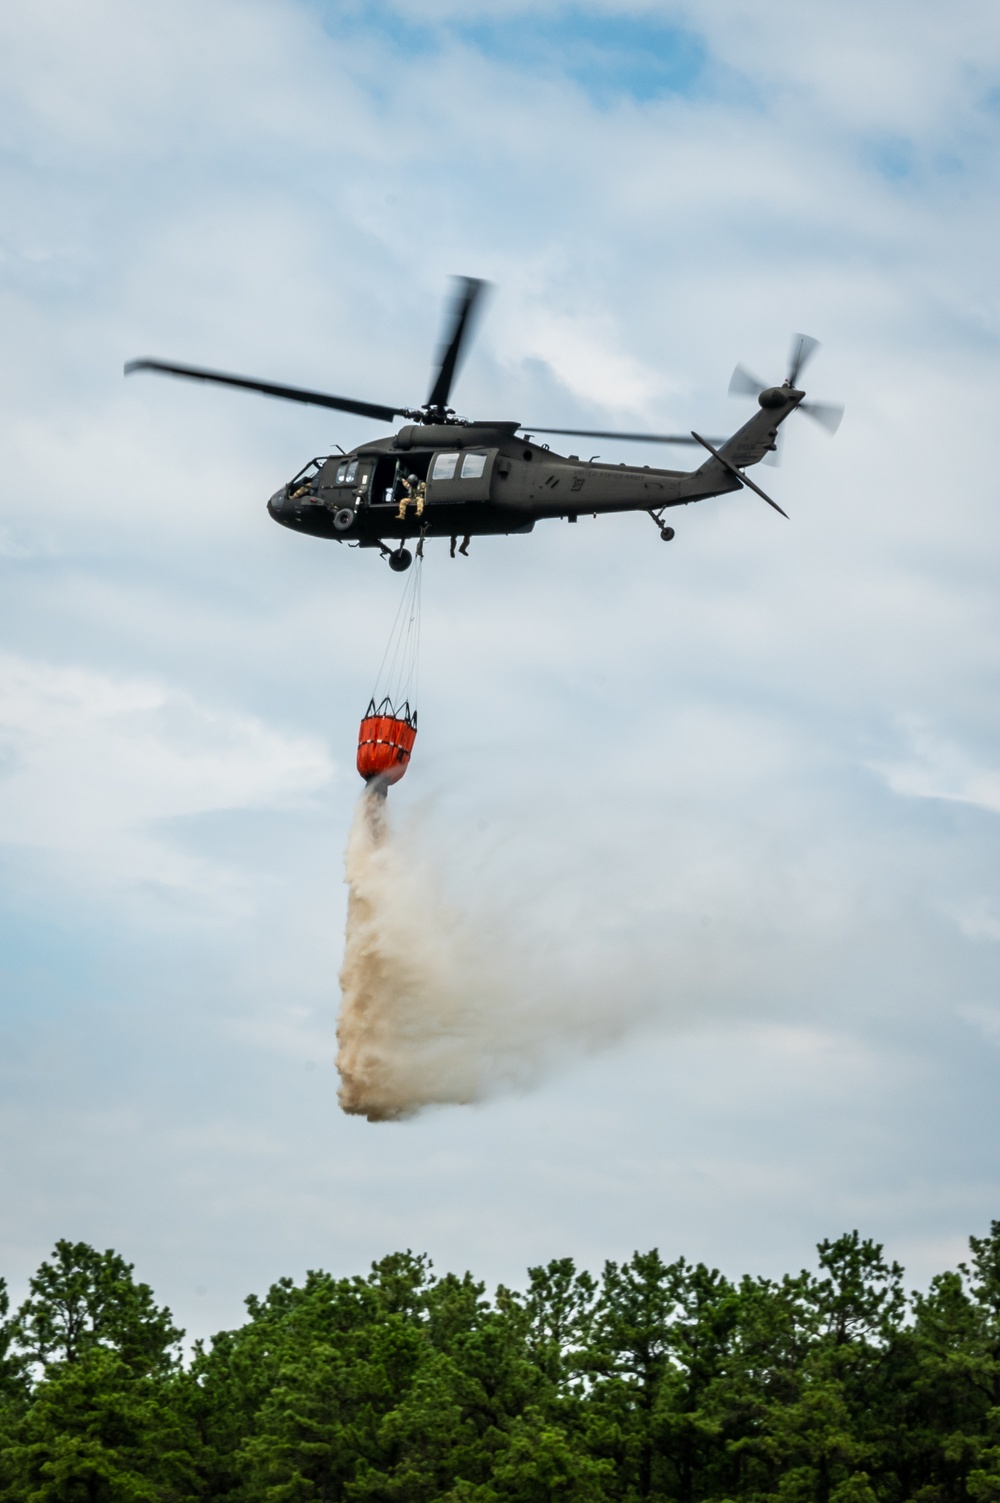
{"x": 656, "y": 1383}
{"x": 84, "y": 1299}
{"x": 89, "y": 1369}
{"x": 12, "y": 1365}
{"x": 95, "y": 1431}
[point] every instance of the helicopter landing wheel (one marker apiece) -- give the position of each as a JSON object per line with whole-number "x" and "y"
{"x": 343, "y": 519}
{"x": 400, "y": 560}
{"x": 666, "y": 533}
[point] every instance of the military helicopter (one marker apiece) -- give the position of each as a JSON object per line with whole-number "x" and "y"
{"x": 447, "y": 476}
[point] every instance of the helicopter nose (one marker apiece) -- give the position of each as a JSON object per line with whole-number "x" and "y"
{"x": 277, "y": 501}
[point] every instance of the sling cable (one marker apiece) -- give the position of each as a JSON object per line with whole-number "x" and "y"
{"x": 389, "y": 727}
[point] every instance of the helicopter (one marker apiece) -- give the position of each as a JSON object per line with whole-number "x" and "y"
{"x": 442, "y": 475}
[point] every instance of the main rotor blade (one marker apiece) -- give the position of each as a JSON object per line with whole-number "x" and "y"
{"x": 468, "y": 291}
{"x": 637, "y": 438}
{"x": 745, "y": 384}
{"x": 828, "y": 414}
{"x": 803, "y": 349}
{"x": 286, "y": 393}
{"x": 743, "y": 479}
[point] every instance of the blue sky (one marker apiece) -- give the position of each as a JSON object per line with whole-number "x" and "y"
{"x": 611, "y": 56}
{"x": 755, "y": 903}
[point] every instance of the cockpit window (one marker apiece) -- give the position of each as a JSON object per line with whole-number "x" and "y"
{"x": 347, "y": 471}
{"x": 444, "y": 466}
{"x": 473, "y": 466}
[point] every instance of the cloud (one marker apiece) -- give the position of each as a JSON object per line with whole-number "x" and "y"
{"x": 99, "y": 771}
{"x": 987, "y": 1019}
{"x": 937, "y": 768}
{"x": 688, "y": 753}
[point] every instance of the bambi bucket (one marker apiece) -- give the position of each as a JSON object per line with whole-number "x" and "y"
{"x": 385, "y": 741}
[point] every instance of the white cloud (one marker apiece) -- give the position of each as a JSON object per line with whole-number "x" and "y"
{"x": 97, "y": 769}
{"x": 938, "y": 768}
{"x": 671, "y": 747}
{"x": 987, "y": 1019}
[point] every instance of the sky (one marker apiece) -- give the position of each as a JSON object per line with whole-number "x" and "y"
{"x": 735, "y": 798}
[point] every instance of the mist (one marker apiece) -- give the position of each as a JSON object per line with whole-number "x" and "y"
{"x": 448, "y": 1003}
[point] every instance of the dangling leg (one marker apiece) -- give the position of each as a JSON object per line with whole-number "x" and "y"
{"x": 465, "y": 545}
{"x": 453, "y": 542}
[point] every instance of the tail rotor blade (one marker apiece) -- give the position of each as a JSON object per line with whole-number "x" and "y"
{"x": 803, "y": 349}
{"x": 827, "y": 414}
{"x": 745, "y": 384}
{"x": 468, "y": 292}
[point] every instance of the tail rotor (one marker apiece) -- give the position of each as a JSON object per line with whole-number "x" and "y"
{"x": 745, "y": 384}
{"x": 827, "y": 414}
{"x": 803, "y": 349}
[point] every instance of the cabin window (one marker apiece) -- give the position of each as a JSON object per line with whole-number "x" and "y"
{"x": 444, "y": 466}
{"x": 473, "y": 466}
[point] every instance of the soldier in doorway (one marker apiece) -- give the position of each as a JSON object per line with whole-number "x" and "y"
{"x": 415, "y": 490}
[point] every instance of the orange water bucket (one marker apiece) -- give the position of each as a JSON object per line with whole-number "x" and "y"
{"x": 385, "y": 741}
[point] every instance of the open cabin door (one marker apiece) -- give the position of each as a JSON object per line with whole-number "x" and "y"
{"x": 387, "y": 487}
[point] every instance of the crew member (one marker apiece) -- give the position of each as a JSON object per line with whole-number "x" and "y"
{"x": 414, "y": 489}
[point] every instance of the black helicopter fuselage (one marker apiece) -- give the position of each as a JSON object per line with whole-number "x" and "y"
{"x": 481, "y": 478}
{"x": 442, "y": 476}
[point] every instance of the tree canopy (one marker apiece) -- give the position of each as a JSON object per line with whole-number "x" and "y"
{"x": 655, "y": 1381}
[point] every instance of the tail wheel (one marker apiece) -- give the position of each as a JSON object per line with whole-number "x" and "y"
{"x": 400, "y": 560}
{"x": 666, "y": 533}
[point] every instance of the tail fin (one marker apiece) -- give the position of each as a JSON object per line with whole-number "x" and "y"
{"x": 756, "y": 439}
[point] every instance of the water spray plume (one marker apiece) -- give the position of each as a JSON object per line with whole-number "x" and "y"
{"x": 404, "y": 1018}
{"x": 451, "y": 1005}
{"x": 440, "y": 1005}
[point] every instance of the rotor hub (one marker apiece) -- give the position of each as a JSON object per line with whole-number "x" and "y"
{"x": 778, "y": 396}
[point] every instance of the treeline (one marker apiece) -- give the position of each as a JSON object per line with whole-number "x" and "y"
{"x": 656, "y": 1381}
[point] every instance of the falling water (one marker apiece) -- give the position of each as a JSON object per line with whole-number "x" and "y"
{"x": 440, "y": 1004}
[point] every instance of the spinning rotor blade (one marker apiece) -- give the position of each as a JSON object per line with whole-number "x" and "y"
{"x": 638, "y": 438}
{"x": 745, "y": 384}
{"x": 828, "y": 414}
{"x": 468, "y": 292}
{"x": 803, "y": 349}
{"x": 287, "y": 393}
